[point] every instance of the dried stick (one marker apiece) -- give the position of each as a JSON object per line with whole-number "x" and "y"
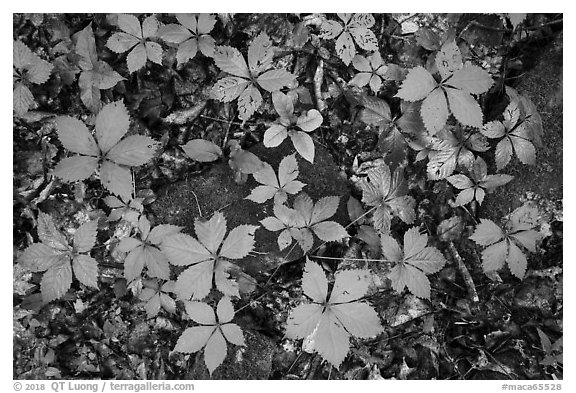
{"x": 465, "y": 273}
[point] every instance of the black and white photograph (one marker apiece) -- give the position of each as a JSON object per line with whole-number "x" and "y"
{"x": 286, "y": 196}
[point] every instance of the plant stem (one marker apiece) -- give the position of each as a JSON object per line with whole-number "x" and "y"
{"x": 465, "y": 273}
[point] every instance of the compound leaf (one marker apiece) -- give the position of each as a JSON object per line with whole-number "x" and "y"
{"x": 464, "y": 108}
{"x": 248, "y": 101}
{"x": 49, "y": 234}
{"x": 303, "y": 320}
{"x": 85, "y": 236}
{"x": 215, "y": 351}
{"x": 211, "y": 232}
{"x": 183, "y": 250}
{"x": 471, "y": 79}
{"x": 434, "y": 111}
{"x": 134, "y": 150}
{"x": 260, "y": 54}
{"x": 376, "y": 112}
{"x": 345, "y": 48}
{"x": 404, "y": 275}
{"x": 448, "y": 59}
{"x": 303, "y": 144}
{"x": 137, "y": 57}
{"x": 331, "y": 340}
{"x": 194, "y": 339}
{"x": 22, "y": 99}
{"x": 239, "y": 243}
{"x": 517, "y": 262}
{"x": 112, "y": 123}
{"x": 274, "y": 80}
{"x": 39, "y": 257}
{"x": 134, "y": 263}
{"x": 503, "y": 153}
{"x": 314, "y": 282}
{"x": 121, "y": 42}
{"x": 74, "y": 136}
{"x": 229, "y": 60}
{"x": 76, "y": 168}
{"x": 116, "y": 179}
{"x": 494, "y": 256}
{"x": 275, "y": 135}
{"x": 225, "y": 310}
{"x": 56, "y": 282}
{"x": 233, "y": 334}
{"x": 261, "y": 194}
{"x": 359, "y": 319}
{"x": 195, "y": 282}
{"x": 349, "y": 285}
{"x": 229, "y": 88}
{"x": 310, "y": 121}
{"x": 159, "y": 232}
{"x": 86, "y": 270}
{"x": 200, "y": 312}
{"x": 487, "y": 232}
{"x": 418, "y": 84}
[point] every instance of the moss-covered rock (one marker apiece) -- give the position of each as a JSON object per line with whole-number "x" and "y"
{"x": 254, "y": 361}
{"x": 542, "y": 182}
{"x": 214, "y": 190}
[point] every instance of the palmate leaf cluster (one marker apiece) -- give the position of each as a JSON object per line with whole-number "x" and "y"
{"x": 413, "y": 262}
{"x": 517, "y": 131}
{"x": 458, "y": 82}
{"x": 296, "y": 127}
{"x": 28, "y": 67}
{"x": 157, "y": 297}
{"x": 95, "y": 74}
{"x": 58, "y": 257}
{"x": 504, "y": 245}
{"x": 208, "y": 256}
{"x": 277, "y": 186}
{"x": 212, "y": 333}
{"x": 303, "y": 220}
{"x": 474, "y": 187}
{"x": 145, "y": 252}
{"x": 351, "y": 30}
{"x": 387, "y": 195}
{"x": 191, "y": 34}
{"x": 136, "y": 38}
{"x": 373, "y": 71}
{"x": 168, "y": 263}
{"x": 328, "y": 322}
{"x": 109, "y": 152}
{"x": 245, "y": 78}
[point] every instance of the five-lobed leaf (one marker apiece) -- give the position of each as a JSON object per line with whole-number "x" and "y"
{"x": 413, "y": 263}
{"x": 329, "y": 321}
{"x": 136, "y": 39}
{"x": 502, "y": 246}
{"x": 247, "y": 76}
{"x": 208, "y": 255}
{"x": 212, "y": 333}
{"x": 118, "y": 154}
{"x": 277, "y": 187}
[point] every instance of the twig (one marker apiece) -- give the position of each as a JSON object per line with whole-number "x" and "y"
{"x": 197, "y": 203}
{"x": 222, "y": 120}
{"x": 318, "y": 78}
{"x": 465, "y": 273}
{"x": 354, "y": 259}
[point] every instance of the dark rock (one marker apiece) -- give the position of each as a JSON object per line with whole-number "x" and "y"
{"x": 216, "y": 190}
{"x": 254, "y": 361}
{"x": 541, "y": 182}
{"x": 536, "y": 295}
